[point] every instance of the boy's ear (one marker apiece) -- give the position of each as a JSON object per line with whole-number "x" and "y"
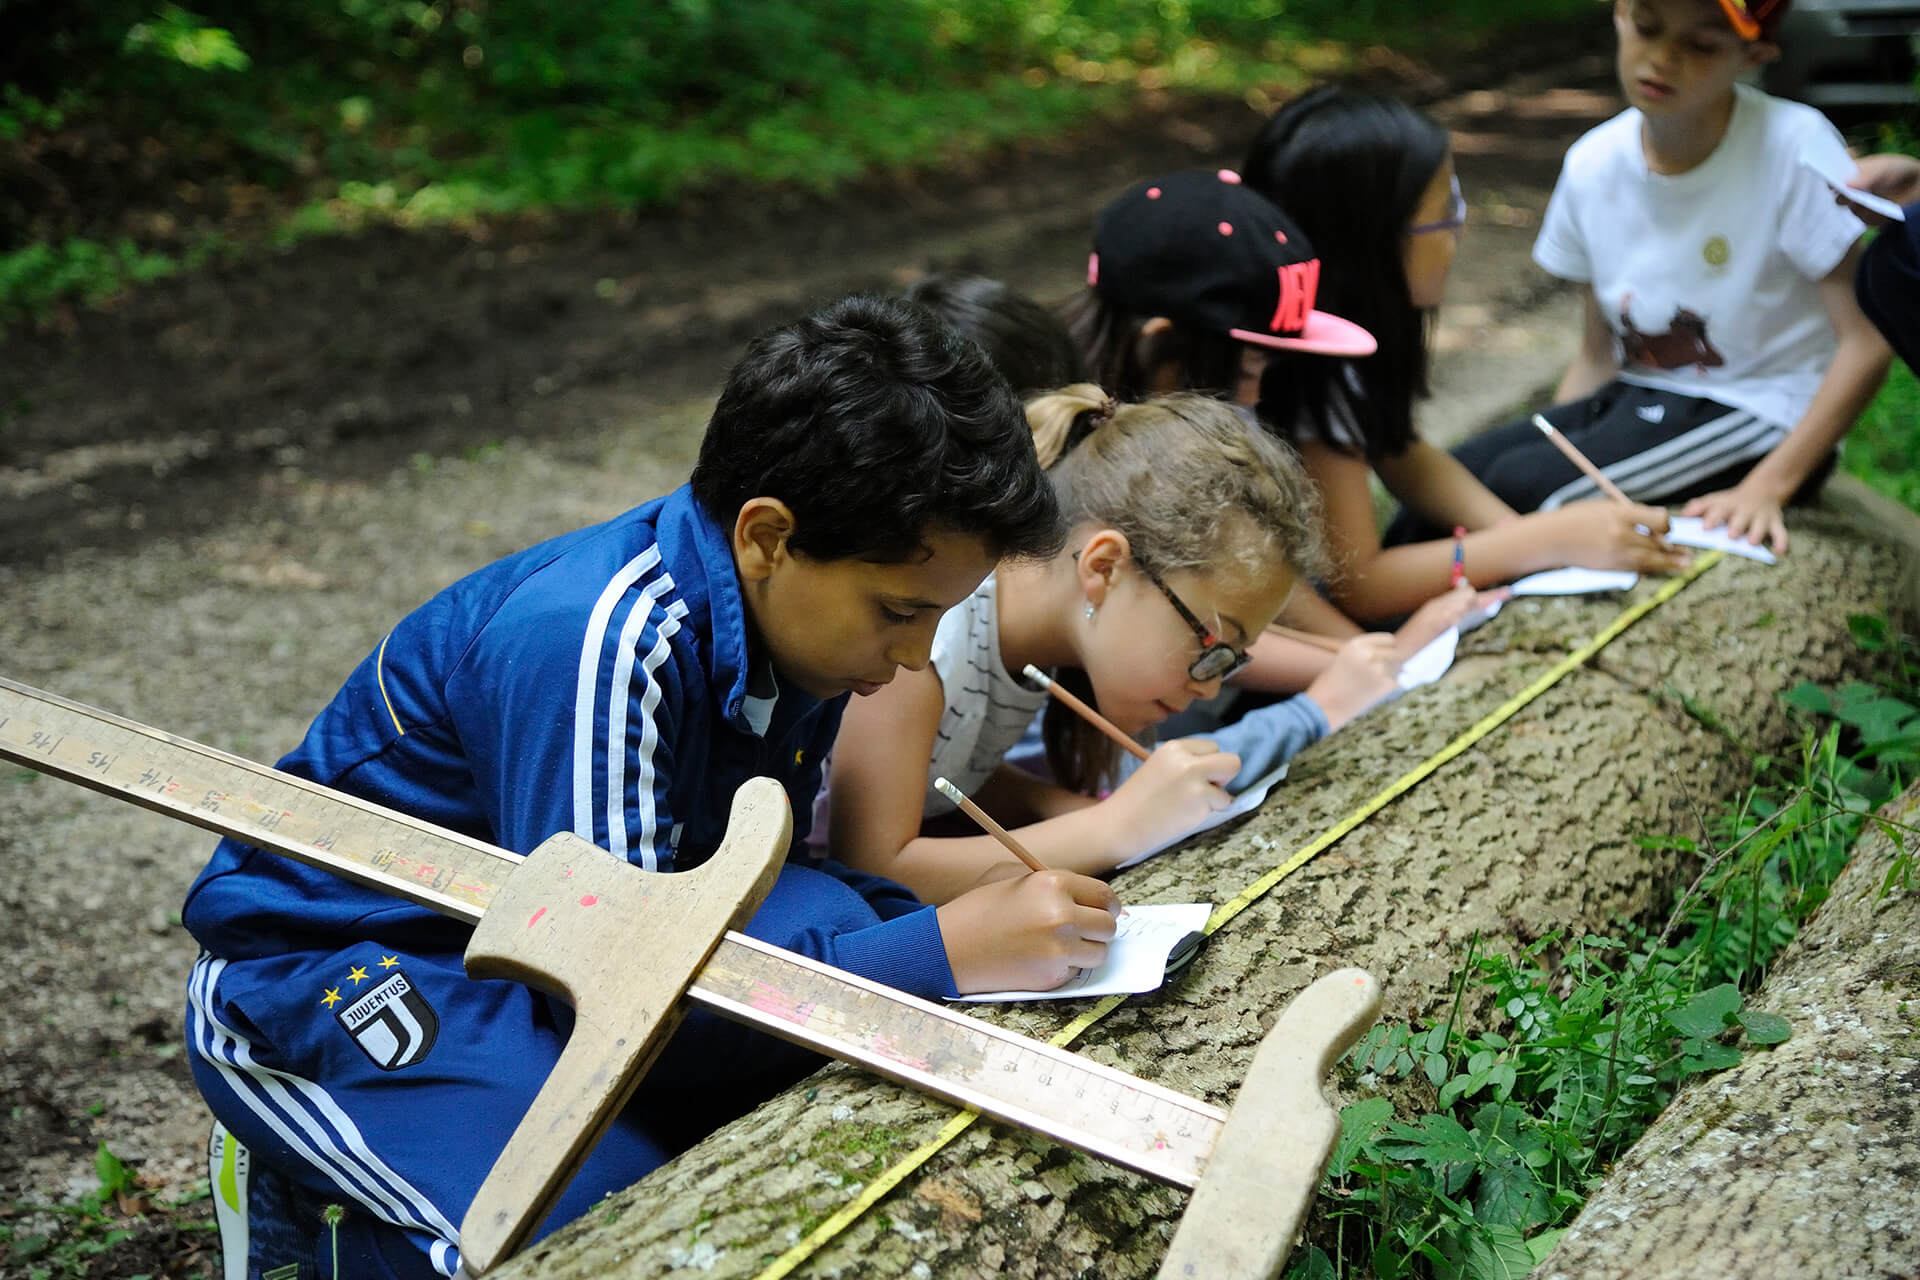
{"x": 760, "y": 534}
{"x": 1761, "y": 52}
{"x": 1100, "y": 558}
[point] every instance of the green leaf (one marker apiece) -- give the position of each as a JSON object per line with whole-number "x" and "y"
{"x": 1765, "y": 1028}
{"x": 1707, "y": 1055}
{"x": 114, "y": 1175}
{"x": 1311, "y": 1264}
{"x": 1436, "y": 1141}
{"x": 1808, "y": 696}
{"x": 1358, "y": 1122}
{"x": 1508, "y": 1194}
{"x": 1497, "y": 1253}
{"x": 1542, "y": 1245}
{"x": 1869, "y": 632}
{"x": 1707, "y": 1013}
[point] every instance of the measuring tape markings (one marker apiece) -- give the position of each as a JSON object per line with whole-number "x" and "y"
{"x": 879, "y": 1187}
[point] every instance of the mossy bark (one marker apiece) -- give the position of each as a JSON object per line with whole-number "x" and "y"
{"x": 1804, "y": 1160}
{"x": 1533, "y": 829}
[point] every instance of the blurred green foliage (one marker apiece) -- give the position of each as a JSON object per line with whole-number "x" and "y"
{"x": 510, "y": 104}
{"x": 133, "y": 132}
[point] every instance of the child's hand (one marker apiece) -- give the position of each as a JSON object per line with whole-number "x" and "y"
{"x": 1366, "y": 670}
{"x": 1030, "y": 933}
{"x": 1890, "y": 175}
{"x": 1747, "y": 513}
{"x": 1168, "y": 795}
{"x": 1431, "y": 619}
{"x": 1601, "y": 534}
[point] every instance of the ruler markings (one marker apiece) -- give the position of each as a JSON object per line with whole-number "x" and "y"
{"x": 1024, "y": 1082}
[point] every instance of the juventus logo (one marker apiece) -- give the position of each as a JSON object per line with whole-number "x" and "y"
{"x": 392, "y": 1023}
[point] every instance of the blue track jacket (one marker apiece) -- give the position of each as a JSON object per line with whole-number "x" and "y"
{"x": 602, "y": 683}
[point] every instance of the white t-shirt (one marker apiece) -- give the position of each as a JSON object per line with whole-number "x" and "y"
{"x": 1710, "y": 277}
{"x": 986, "y": 709}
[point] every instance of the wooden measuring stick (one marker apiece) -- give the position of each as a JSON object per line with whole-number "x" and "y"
{"x": 1246, "y": 1211}
{"x": 1086, "y": 712}
{"x": 1581, "y": 461}
{"x": 1026, "y": 1083}
{"x": 987, "y": 824}
{"x": 1327, "y": 643}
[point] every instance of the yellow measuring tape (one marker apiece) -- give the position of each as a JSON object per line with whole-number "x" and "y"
{"x": 878, "y": 1189}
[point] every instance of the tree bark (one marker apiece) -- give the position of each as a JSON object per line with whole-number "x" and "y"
{"x": 1809, "y": 1149}
{"x": 1531, "y": 830}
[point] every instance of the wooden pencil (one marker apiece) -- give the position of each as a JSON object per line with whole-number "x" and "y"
{"x": 1581, "y": 461}
{"x": 987, "y": 824}
{"x": 1087, "y": 713}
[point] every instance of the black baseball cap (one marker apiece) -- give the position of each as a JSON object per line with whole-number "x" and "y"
{"x": 1206, "y": 251}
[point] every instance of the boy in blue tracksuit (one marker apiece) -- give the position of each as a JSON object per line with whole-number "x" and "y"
{"x": 863, "y": 470}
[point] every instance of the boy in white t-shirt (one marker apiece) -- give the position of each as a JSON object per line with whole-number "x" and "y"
{"x": 1724, "y": 354}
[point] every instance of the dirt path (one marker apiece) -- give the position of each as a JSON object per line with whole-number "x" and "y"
{"x": 214, "y": 500}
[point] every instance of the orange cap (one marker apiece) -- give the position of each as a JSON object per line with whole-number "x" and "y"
{"x": 1755, "y": 19}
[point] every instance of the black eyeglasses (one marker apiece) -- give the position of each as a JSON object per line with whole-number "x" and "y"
{"x": 1217, "y": 659}
{"x": 1456, "y": 215}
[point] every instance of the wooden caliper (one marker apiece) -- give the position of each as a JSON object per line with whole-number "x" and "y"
{"x": 564, "y": 918}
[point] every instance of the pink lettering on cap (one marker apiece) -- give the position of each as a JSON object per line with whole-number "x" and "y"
{"x": 1280, "y": 237}
{"x": 1228, "y": 175}
{"x": 1093, "y": 270}
{"x": 1299, "y": 282}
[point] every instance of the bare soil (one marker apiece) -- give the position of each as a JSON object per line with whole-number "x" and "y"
{"x": 217, "y": 495}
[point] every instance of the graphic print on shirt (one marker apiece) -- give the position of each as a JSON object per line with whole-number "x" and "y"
{"x": 1684, "y": 344}
{"x": 391, "y": 1021}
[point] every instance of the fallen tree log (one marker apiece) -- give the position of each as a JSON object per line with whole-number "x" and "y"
{"x": 1802, "y": 1161}
{"x": 1533, "y": 829}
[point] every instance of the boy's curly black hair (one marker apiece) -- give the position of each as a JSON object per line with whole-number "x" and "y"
{"x": 877, "y": 423}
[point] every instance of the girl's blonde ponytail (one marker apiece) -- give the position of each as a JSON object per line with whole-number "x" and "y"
{"x": 1062, "y": 419}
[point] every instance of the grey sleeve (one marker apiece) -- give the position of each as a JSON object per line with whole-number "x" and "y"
{"x": 1266, "y": 738}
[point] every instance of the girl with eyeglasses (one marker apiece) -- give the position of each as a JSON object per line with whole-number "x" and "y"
{"x": 1371, "y": 182}
{"x": 1189, "y": 526}
{"x": 1196, "y": 282}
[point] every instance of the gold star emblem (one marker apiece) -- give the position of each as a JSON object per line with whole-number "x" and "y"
{"x": 357, "y": 975}
{"x": 798, "y": 755}
{"x": 332, "y": 998}
{"x": 387, "y": 962}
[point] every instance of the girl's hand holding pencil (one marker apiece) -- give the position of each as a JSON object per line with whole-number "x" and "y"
{"x": 1623, "y": 532}
{"x": 1176, "y": 787}
{"x": 1606, "y": 535}
{"x": 1363, "y": 673}
{"x": 1181, "y": 783}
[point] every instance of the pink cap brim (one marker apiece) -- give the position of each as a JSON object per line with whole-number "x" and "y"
{"x": 1324, "y": 334}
